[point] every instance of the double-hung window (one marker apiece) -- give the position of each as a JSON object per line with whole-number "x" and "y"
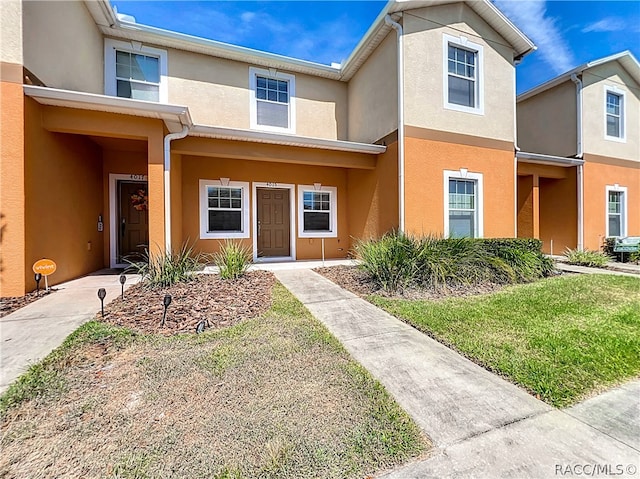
{"x": 614, "y": 114}
{"x": 463, "y": 204}
{"x": 135, "y": 71}
{"x": 224, "y": 209}
{"x": 462, "y": 75}
{"x": 616, "y": 211}
{"x": 272, "y": 100}
{"x": 317, "y": 212}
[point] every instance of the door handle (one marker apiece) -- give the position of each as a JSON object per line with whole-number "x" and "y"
{"x": 259, "y": 227}
{"x": 123, "y": 225}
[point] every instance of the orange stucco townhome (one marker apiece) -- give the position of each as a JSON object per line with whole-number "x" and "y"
{"x": 579, "y": 164}
{"x": 117, "y": 135}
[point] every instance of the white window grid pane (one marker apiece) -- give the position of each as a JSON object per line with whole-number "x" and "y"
{"x": 462, "y": 63}
{"x": 319, "y": 202}
{"x": 615, "y": 202}
{"x": 224, "y": 198}
{"x": 139, "y": 68}
{"x": 462, "y": 195}
{"x": 269, "y": 89}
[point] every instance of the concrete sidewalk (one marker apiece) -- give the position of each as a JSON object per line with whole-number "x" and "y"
{"x": 481, "y": 425}
{"x": 32, "y": 332}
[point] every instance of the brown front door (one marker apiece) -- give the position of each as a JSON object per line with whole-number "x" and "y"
{"x": 133, "y": 219}
{"x": 273, "y": 223}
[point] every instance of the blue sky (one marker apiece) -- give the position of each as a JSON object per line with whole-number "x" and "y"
{"x": 568, "y": 33}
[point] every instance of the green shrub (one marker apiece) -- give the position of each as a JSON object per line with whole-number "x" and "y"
{"x": 167, "y": 268}
{"x": 634, "y": 257}
{"x": 233, "y": 259}
{"x": 397, "y": 261}
{"x": 390, "y": 260}
{"x": 593, "y": 259}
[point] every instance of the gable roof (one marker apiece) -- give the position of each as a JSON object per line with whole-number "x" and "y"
{"x": 625, "y": 58}
{"x": 113, "y": 25}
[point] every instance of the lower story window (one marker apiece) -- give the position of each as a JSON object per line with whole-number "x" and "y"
{"x": 317, "y": 212}
{"x": 224, "y": 209}
{"x": 463, "y": 204}
{"x": 616, "y": 211}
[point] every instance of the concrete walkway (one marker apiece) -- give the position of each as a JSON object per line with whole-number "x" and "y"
{"x": 481, "y": 425}
{"x": 32, "y": 332}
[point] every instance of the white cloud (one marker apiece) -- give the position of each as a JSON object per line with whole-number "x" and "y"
{"x": 609, "y": 24}
{"x": 531, "y": 17}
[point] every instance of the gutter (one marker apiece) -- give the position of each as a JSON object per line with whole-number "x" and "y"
{"x": 579, "y": 154}
{"x": 551, "y": 160}
{"x": 398, "y": 28}
{"x": 167, "y": 184}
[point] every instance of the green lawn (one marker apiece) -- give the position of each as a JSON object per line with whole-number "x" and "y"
{"x": 275, "y": 396}
{"x": 562, "y": 338}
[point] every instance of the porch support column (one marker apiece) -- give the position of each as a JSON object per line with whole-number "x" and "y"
{"x": 155, "y": 176}
{"x": 535, "y": 194}
{"x": 13, "y": 269}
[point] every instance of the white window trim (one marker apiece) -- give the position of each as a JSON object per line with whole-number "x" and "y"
{"x": 464, "y": 43}
{"x": 110, "y": 83}
{"x": 204, "y": 216}
{"x": 333, "y": 214}
{"x": 464, "y": 174}
{"x": 292, "y": 216}
{"x": 623, "y": 216}
{"x": 623, "y": 114}
{"x": 253, "y": 109}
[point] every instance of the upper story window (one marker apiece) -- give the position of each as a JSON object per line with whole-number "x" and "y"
{"x": 614, "y": 114}
{"x": 272, "y": 100}
{"x": 463, "y": 75}
{"x": 135, "y": 71}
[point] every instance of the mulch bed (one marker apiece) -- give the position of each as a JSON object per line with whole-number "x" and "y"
{"x": 358, "y": 282}
{"x": 217, "y": 302}
{"x": 11, "y": 304}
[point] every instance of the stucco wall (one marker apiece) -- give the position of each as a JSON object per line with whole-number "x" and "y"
{"x": 63, "y": 182}
{"x": 424, "y": 71}
{"x": 424, "y": 185}
{"x": 373, "y": 97}
{"x": 217, "y": 93}
{"x": 612, "y": 75}
{"x": 547, "y": 121}
{"x": 195, "y": 168}
{"x": 11, "y": 31}
{"x": 62, "y": 45}
{"x": 598, "y": 173}
{"x": 558, "y": 213}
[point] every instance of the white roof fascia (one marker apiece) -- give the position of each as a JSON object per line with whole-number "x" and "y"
{"x": 626, "y": 59}
{"x": 221, "y": 133}
{"x": 91, "y": 101}
{"x": 102, "y": 12}
{"x": 537, "y": 158}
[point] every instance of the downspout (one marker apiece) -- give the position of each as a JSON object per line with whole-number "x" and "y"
{"x": 398, "y": 28}
{"x": 516, "y": 62}
{"x": 579, "y": 154}
{"x": 167, "y": 184}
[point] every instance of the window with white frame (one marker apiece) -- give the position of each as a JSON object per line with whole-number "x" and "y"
{"x": 616, "y": 211}
{"x": 224, "y": 209}
{"x": 135, "y": 71}
{"x": 317, "y": 211}
{"x": 614, "y": 114}
{"x": 462, "y": 74}
{"x": 272, "y": 100}
{"x": 463, "y": 216}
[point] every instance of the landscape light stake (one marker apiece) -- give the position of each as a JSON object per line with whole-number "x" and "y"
{"x": 123, "y": 279}
{"x": 101, "y": 294}
{"x": 166, "y": 302}
{"x": 38, "y": 277}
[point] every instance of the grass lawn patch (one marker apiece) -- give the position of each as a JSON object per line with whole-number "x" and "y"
{"x": 563, "y": 339}
{"x": 274, "y": 396}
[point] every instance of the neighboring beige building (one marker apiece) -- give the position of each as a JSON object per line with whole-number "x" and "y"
{"x": 579, "y": 164}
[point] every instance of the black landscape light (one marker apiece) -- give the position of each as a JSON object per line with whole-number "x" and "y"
{"x": 101, "y": 294}
{"x": 38, "y": 277}
{"x": 200, "y": 327}
{"x": 123, "y": 279}
{"x": 166, "y": 301}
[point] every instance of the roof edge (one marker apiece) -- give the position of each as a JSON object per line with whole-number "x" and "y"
{"x": 538, "y": 158}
